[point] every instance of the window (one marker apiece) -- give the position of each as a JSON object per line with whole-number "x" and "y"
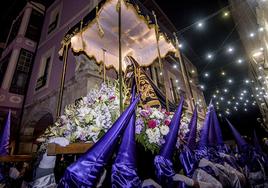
{"x": 43, "y": 74}
{"x": 35, "y": 25}
{"x": 22, "y": 72}
{"x": 54, "y": 19}
{"x": 3, "y": 67}
{"x": 15, "y": 29}
{"x": 44, "y": 70}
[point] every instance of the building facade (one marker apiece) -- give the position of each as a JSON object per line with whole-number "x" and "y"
{"x": 251, "y": 18}
{"x": 17, "y": 61}
{"x": 82, "y": 74}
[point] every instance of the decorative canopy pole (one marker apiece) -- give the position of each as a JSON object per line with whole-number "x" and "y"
{"x": 184, "y": 74}
{"x": 104, "y": 69}
{"x": 118, "y": 7}
{"x": 62, "y": 81}
{"x": 159, "y": 57}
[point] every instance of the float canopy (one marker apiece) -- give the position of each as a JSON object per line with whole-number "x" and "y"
{"x": 138, "y": 37}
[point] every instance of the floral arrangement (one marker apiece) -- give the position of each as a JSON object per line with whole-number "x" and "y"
{"x": 90, "y": 117}
{"x": 152, "y": 125}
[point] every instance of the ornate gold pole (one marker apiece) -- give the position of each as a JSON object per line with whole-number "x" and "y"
{"x": 160, "y": 60}
{"x": 104, "y": 69}
{"x": 62, "y": 81}
{"x": 184, "y": 74}
{"x": 120, "y": 56}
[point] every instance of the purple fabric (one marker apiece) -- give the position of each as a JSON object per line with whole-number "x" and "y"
{"x": 193, "y": 129}
{"x": 188, "y": 161}
{"x": 212, "y": 139}
{"x": 5, "y": 136}
{"x": 124, "y": 170}
{"x": 204, "y": 134}
{"x": 162, "y": 162}
{"x": 164, "y": 170}
{"x": 167, "y": 149}
{"x": 256, "y": 142}
{"x": 217, "y": 128}
{"x": 88, "y": 168}
{"x": 239, "y": 140}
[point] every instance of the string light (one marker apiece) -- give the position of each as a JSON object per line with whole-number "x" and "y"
{"x": 223, "y": 73}
{"x": 180, "y": 46}
{"x": 161, "y": 73}
{"x": 174, "y": 66}
{"x": 252, "y": 34}
{"x": 230, "y": 50}
{"x": 261, "y": 29}
{"x": 206, "y": 75}
{"x": 200, "y": 24}
{"x": 239, "y": 61}
{"x": 193, "y": 71}
{"x": 230, "y": 81}
{"x": 209, "y": 56}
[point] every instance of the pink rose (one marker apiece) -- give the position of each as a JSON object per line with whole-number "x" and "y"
{"x": 151, "y": 124}
{"x": 167, "y": 122}
{"x": 167, "y": 113}
{"x": 112, "y": 98}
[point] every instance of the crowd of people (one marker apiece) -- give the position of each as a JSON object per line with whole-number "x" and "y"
{"x": 207, "y": 163}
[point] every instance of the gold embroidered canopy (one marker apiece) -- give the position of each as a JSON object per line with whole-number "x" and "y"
{"x": 138, "y": 37}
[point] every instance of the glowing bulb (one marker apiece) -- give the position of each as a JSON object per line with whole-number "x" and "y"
{"x": 161, "y": 73}
{"x": 230, "y": 50}
{"x": 226, "y": 14}
{"x": 239, "y": 61}
{"x": 174, "y": 66}
{"x": 229, "y": 102}
{"x": 206, "y": 75}
{"x": 261, "y": 49}
{"x": 225, "y": 90}
{"x": 177, "y": 81}
{"x": 209, "y": 56}
{"x": 252, "y": 35}
{"x": 221, "y": 98}
{"x": 179, "y": 88}
{"x": 217, "y": 91}
{"x": 180, "y": 46}
{"x": 193, "y": 71}
{"x": 230, "y": 81}
{"x": 223, "y": 73}
{"x": 202, "y": 86}
{"x": 261, "y": 29}
{"x": 246, "y": 110}
{"x": 214, "y": 96}
{"x": 200, "y": 24}
{"x": 246, "y": 81}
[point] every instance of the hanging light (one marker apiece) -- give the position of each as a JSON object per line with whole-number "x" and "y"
{"x": 206, "y": 74}
{"x": 174, "y": 66}
{"x": 230, "y": 49}
{"x": 230, "y": 81}
{"x": 239, "y": 61}
{"x": 252, "y": 34}
{"x": 261, "y": 29}
{"x": 209, "y": 56}
{"x": 223, "y": 73}
{"x": 200, "y": 24}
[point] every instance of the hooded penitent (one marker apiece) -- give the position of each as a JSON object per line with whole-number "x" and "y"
{"x": 186, "y": 156}
{"x": 4, "y": 136}
{"x": 203, "y": 143}
{"x": 86, "y": 171}
{"x": 241, "y": 143}
{"x": 124, "y": 170}
{"x": 163, "y": 164}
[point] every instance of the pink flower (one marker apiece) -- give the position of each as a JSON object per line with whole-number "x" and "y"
{"x": 167, "y": 113}
{"x": 112, "y": 98}
{"x": 167, "y": 122}
{"x": 151, "y": 123}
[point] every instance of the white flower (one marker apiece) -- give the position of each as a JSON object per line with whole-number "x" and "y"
{"x": 153, "y": 135}
{"x": 164, "y": 130}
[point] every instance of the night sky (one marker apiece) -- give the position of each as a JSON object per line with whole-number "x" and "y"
{"x": 217, "y": 34}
